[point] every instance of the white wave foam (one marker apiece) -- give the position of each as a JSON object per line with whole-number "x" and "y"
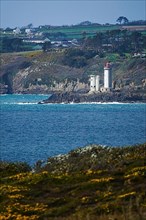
{"x": 19, "y": 103}
{"x": 106, "y": 103}
{"x": 27, "y": 103}
{"x": 94, "y": 103}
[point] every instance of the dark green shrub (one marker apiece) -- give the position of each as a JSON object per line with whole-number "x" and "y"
{"x": 12, "y": 168}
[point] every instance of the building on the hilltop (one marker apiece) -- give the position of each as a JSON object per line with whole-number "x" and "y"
{"x": 95, "y": 80}
{"x": 17, "y": 31}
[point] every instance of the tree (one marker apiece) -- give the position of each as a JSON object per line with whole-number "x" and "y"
{"x": 84, "y": 34}
{"x": 29, "y": 26}
{"x": 8, "y": 29}
{"x": 136, "y": 40}
{"x": 94, "y": 43}
{"x": 46, "y": 46}
{"x": 98, "y": 40}
{"x": 122, "y": 19}
{"x": 17, "y": 44}
{"x": 125, "y": 20}
{"x": 12, "y": 44}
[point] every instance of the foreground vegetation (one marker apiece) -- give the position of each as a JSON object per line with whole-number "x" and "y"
{"x": 93, "y": 182}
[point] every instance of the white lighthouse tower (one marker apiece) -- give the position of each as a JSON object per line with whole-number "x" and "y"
{"x": 107, "y": 77}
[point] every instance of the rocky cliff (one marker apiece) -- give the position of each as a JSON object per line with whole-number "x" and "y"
{"x": 38, "y": 72}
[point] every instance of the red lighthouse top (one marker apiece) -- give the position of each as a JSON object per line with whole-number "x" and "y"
{"x": 107, "y": 65}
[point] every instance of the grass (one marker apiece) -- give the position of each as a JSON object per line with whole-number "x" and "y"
{"x": 80, "y": 29}
{"x": 73, "y": 31}
{"x": 94, "y": 182}
{"x": 77, "y": 31}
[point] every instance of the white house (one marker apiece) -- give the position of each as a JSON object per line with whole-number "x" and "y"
{"x": 17, "y": 31}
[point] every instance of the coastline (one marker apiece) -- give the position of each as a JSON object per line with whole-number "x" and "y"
{"x": 82, "y": 98}
{"x": 110, "y": 97}
{"x": 90, "y": 103}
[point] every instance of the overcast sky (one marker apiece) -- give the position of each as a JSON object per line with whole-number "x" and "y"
{"x": 18, "y": 13}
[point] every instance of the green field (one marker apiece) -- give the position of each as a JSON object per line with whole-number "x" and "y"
{"x": 71, "y": 31}
{"x": 77, "y": 31}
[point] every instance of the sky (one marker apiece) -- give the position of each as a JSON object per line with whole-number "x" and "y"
{"x": 19, "y": 13}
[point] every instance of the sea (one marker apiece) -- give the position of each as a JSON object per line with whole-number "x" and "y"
{"x": 30, "y": 131}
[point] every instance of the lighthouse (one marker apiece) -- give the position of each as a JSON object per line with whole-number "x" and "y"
{"x": 107, "y": 77}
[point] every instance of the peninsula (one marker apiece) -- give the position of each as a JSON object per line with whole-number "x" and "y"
{"x": 75, "y": 97}
{"x": 99, "y": 93}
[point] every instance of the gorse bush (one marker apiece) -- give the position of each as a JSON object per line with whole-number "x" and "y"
{"x": 12, "y": 168}
{"x": 90, "y": 183}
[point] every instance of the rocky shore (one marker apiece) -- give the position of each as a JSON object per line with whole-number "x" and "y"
{"x": 114, "y": 96}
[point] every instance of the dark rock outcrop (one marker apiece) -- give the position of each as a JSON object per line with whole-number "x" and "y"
{"x": 75, "y": 97}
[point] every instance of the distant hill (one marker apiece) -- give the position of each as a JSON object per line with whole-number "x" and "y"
{"x": 87, "y": 23}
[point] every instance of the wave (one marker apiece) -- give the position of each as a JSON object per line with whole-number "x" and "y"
{"x": 72, "y": 103}
{"x": 27, "y": 103}
{"x": 19, "y": 103}
{"x": 94, "y": 103}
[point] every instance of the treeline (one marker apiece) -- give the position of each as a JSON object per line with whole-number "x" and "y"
{"x": 119, "y": 41}
{"x": 114, "y": 41}
{"x": 77, "y": 57}
{"x": 139, "y": 22}
{"x": 15, "y": 44}
{"x": 11, "y": 44}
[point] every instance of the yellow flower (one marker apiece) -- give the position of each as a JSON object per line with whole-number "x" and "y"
{"x": 106, "y": 194}
{"x": 84, "y": 199}
{"x": 137, "y": 171}
{"x": 45, "y": 172}
{"x": 126, "y": 195}
{"x": 139, "y": 168}
{"x": 135, "y": 174}
{"x": 16, "y": 196}
{"x": 89, "y": 172}
{"x": 8, "y": 189}
{"x": 108, "y": 179}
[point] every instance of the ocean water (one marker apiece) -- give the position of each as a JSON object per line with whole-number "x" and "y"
{"x": 31, "y": 132}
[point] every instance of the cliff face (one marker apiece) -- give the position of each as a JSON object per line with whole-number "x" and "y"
{"x": 27, "y": 81}
{"x": 46, "y": 73}
{"x": 39, "y": 74}
{"x": 10, "y": 67}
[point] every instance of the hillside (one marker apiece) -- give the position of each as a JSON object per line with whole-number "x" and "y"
{"x": 90, "y": 183}
{"x": 39, "y": 72}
